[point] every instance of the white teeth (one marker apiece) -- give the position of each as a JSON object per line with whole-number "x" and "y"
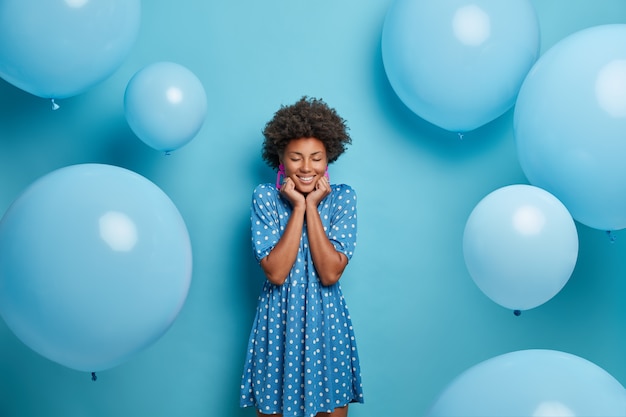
{"x": 305, "y": 179}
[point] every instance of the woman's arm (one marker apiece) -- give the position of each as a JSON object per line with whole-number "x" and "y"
{"x": 329, "y": 263}
{"x": 278, "y": 263}
{"x": 280, "y": 260}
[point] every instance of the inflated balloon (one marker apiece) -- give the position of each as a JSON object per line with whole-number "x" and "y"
{"x": 520, "y": 246}
{"x": 569, "y": 124}
{"x": 165, "y": 105}
{"x": 536, "y": 382}
{"x": 459, "y": 64}
{"x": 95, "y": 265}
{"x": 58, "y": 49}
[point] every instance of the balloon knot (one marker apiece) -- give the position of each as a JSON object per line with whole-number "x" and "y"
{"x": 55, "y": 106}
{"x": 517, "y": 312}
{"x": 94, "y": 377}
{"x": 460, "y": 135}
{"x": 611, "y": 236}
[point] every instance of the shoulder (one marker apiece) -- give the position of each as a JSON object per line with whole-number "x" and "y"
{"x": 266, "y": 195}
{"x": 264, "y": 191}
{"x": 343, "y": 190}
{"x": 342, "y": 195}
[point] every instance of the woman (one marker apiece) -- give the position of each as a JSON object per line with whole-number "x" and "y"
{"x": 302, "y": 358}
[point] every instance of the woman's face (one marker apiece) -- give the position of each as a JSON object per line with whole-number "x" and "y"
{"x": 305, "y": 162}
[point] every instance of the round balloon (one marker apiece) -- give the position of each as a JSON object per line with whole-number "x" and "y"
{"x": 536, "y": 382}
{"x": 58, "y": 49}
{"x": 459, "y": 64}
{"x": 569, "y": 124}
{"x": 520, "y": 246}
{"x": 165, "y": 105}
{"x": 95, "y": 265}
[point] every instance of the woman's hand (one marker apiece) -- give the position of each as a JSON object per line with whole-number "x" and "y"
{"x": 295, "y": 197}
{"x": 322, "y": 189}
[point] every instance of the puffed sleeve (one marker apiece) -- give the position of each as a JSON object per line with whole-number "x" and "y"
{"x": 265, "y": 213}
{"x": 343, "y": 222}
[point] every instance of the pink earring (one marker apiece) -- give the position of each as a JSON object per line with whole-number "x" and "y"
{"x": 281, "y": 173}
{"x": 326, "y": 174}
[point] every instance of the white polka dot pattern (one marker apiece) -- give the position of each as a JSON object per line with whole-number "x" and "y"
{"x": 302, "y": 357}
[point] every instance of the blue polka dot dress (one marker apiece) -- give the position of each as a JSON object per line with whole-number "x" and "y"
{"x": 302, "y": 356}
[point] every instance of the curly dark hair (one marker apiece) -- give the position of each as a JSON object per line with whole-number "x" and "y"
{"x": 308, "y": 117}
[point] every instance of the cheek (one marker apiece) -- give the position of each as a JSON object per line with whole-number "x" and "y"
{"x": 289, "y": 169}
{"x": 321, "y": 168}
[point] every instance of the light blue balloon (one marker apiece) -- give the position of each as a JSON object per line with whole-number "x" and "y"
{"x": 459, "y": 64}
{"x": 569, "y": 124}
{"x": 520, "y": 246}
{"x": 535, "y": 382}
{"x": 165, "y": 105}
{"x": 95, "y": 265}
{"x": 58, "y": 49}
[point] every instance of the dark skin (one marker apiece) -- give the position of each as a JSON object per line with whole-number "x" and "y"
{"x": 305, "y": 186}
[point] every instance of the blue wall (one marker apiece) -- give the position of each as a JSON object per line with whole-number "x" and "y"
{"x": 419, "y": 318}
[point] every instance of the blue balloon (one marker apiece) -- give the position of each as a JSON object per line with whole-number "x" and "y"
{"x": 459, "y": 64}
{"x": 58, "y": 49}
{"x": 165, "y": 105}
{"x": 95, "y": 265}
{"x": 535, "y": 382}
{"x": 569, "y": 124}
{"x": 520, "y": 246}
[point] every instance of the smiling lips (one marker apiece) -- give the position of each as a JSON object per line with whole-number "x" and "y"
{"x": 306, "y": 179}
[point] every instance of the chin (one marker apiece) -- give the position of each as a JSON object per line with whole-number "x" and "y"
{"x": 305, "y": 189}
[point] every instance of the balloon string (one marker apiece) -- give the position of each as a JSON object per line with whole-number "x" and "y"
{"x": 93, "y": 376}
{"x": 55, "y": 106}
{"x": 611, "y": 236}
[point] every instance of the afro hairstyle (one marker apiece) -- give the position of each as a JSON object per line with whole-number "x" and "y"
{"x": 307, "y": 118}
